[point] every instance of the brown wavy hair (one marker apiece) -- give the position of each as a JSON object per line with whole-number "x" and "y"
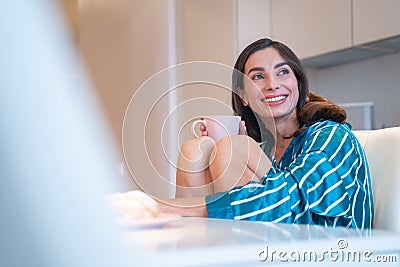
{"x": 310, "y": 106}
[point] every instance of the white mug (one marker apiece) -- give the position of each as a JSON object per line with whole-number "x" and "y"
{"x": 218, "y": 126}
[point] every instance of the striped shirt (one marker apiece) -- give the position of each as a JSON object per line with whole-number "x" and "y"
{"x": 323, "y": 178}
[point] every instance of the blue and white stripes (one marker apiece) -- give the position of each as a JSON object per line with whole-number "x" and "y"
{"x": 323, "y": 178}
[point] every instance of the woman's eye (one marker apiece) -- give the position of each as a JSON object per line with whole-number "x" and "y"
{"x": 257, "y": 77}
{"x": 283, "y": 72}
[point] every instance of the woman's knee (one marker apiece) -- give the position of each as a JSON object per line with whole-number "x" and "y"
{"x": 240, "y": 151}
{"x": 229, "y": 149}
{"x": 238, "y": 144}
{"x": 195, "y": 154}
{"x": 195, "y": 148}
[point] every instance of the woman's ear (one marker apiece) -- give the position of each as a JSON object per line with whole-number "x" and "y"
{"x": 243, "y": 97}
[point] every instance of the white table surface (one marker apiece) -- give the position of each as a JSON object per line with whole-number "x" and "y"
{"x": 213, "y": 242}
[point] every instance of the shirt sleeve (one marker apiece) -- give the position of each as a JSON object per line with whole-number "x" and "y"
{"x": 316, "y": 187}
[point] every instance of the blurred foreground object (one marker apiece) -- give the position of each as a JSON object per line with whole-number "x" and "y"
{"x": 57, "y": 158}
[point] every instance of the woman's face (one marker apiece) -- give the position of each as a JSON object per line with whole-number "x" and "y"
{"x": 276, "y": 87}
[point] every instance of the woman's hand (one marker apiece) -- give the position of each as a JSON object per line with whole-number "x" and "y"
{"x": 242, "y": 129}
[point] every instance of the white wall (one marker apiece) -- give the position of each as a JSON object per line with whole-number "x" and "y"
{"x": 253, "y": 21}
{"x": 125, "y": 42}
{"x": 376, "y": 80}
{"x": 206, "y": 31}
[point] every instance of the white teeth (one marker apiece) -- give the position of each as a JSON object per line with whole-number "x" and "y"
{"x": 274, "y": 99}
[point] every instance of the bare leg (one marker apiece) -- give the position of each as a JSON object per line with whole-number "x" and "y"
{"x": 193, "y": 176}
{"x": 237, "y": 160}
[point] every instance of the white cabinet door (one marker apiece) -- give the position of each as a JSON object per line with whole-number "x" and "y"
{"x": 374, "y": 20}
{"x": 312, "y": 27}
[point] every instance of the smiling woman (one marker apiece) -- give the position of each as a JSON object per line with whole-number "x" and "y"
{"x": 318, "y": 173}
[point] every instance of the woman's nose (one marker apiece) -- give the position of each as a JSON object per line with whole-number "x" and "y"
{"x": 271, "y": 83}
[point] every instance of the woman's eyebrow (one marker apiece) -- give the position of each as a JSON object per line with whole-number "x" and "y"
{"x": 280, "y": 64}
{"x": 256, "y": 69}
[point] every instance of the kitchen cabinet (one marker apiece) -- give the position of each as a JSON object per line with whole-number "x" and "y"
{"x": 312, "y": 27}
{"x": 375, "y": 20}
{"x": 330, "y": 32}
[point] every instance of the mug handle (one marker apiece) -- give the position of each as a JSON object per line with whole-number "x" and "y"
{"x": 194, "y": 125}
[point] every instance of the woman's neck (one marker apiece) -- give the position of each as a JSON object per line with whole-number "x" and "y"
{"x": 284, "y": 135}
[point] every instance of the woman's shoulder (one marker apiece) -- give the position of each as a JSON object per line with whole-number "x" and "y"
{"x": 328, "y": 136}
{"x": 326, "y": 133}
{"x": 328, "y": 126}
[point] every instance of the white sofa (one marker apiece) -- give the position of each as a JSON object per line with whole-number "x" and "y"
{"x": 383, "y": 154}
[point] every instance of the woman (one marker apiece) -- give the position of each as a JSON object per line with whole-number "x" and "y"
{"x": 318, "y": 173}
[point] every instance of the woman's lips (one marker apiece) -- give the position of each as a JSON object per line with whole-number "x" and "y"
{"x": 275, "y": 100}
